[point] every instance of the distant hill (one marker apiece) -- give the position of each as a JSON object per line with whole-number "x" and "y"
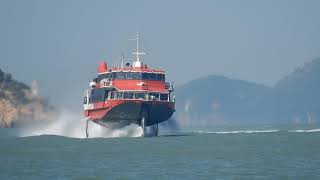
{"x": 218, "y": 99}
{"x": 19, "y": 103}
{"x": 298, "y": 94}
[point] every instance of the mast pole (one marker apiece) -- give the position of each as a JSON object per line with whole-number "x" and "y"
{"x": 137, "y": 39}
{"x": 137, "y": 63}
{"x": 122, "y": 59}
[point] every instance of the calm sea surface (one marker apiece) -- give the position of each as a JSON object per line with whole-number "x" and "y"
{"x": 232, "y": 154}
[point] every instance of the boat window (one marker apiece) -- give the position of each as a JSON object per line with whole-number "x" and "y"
{"x": 139, "y": 95}
{"x": 120, "y": 95}
{"x": 125, "y": 95}
{"x": 97, "y": 95}
{"x": 164, "y": 97}
{"x": 103, "y": 76}
{"x": 105, "y": 94}
{"x": 145, "y": 76}
{"x": 154, "y": 96}
{"x": 160, "y": 77}
{"x": 129, "y": 75}
{"x": 111, "y": 95}
{"x": 116, "y": 95}
{"x": 113, "y": 75}
{"x": 137, "y": 76}
{"x": 133, "y": 75}
{"x": 120, "y": 75}
{"x": 152, "y": 76}
{"x": 130, "y": 95}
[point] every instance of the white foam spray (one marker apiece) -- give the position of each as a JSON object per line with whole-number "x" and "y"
{"x": 71, "y": 125}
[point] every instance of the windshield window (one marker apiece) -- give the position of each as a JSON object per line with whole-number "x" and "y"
{"x": 97, "y": 95}
{"x": 103, "y": 76}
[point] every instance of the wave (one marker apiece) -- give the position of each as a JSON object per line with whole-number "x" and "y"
{"x": 256, "y": 131}
{"x": 71, "y": 125}
{"x": 237, "y": 132}
{"x": 305, "y": 130}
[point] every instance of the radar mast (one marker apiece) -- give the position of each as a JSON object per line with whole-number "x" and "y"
{"x": 138, "y": 62}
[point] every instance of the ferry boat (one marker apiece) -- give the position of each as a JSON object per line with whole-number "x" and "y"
{"x": 130, "y": 93}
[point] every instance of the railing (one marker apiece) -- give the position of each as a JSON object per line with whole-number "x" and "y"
{"x": 146, "y": 96}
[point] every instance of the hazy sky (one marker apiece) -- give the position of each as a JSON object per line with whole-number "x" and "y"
{"x": 60, "y": 42}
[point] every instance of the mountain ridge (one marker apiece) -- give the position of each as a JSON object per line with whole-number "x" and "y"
{"x": 218, "y": 99}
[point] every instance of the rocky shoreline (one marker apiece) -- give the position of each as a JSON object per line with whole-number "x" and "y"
{"x": 20, "y": 104}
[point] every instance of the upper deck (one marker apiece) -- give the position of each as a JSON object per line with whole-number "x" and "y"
{"x": 132, "y": 78}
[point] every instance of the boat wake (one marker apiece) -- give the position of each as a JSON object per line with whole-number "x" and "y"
{"x": 257, "y": 131}
{"x": 236, "y": 132}
{"x": 71, "y": 125}
{"x": 305, "y": 130}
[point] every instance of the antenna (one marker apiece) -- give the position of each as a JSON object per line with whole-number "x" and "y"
{"x": 137, "y": 63}
{"x": 122, "y": 59}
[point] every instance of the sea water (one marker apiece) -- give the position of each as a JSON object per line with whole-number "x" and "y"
{"x": 263, "y": 152}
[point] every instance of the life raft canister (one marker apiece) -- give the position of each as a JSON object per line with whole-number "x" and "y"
{"x": 102, "y": 67}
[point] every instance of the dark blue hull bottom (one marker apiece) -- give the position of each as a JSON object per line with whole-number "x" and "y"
{"x": 130, "y": 112}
